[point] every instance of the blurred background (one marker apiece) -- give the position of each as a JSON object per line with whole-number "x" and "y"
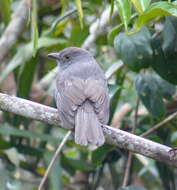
{"x": 135, "y": 43}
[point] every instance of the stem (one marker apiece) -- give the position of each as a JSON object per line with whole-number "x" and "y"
{"x": 53, "y": 160}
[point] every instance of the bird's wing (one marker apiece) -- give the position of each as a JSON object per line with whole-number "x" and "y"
{"x": 69, "y": 95}
{"x": 73, "y": 93}
{"x": 97, "y": 92}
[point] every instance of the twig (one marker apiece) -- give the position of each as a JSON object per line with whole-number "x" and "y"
{"x": 127, "y": 170}
{"x": 151, "y": 130}
{"x": 113, "y": 136}
{"x": 53, "y": 160}
{"x": 14, "y": 28}
{"x": 130, "y": 154}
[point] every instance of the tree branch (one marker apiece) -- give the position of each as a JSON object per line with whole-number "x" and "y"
{"x": 113, "y": 136}
{"x": 14, "y": 28}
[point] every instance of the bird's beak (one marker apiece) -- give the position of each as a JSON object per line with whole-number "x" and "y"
{"x": 53, "y": 55}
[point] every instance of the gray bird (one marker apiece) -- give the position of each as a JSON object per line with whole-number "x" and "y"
{"x": 81, "y": 95}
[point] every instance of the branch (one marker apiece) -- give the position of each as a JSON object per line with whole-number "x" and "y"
{"x": 14, "y": 28}
{"x": 113, "y": 136}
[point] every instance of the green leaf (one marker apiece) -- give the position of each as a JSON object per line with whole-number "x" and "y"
{"x": 83, "y": 33}
{"x": 112, "y": 9}
{"x": 100, "y": 153}
{"x": 113, "y": 33}
{"x": 61, "y": 18}
{"x": 164, "y": 66}
{"x": 141, "y": 5}
{"x": 25, "y": 53}
{"x": 157, "y": 9}
{"x": 76, "y": 164}
{"x": 135, "y": 50}
{"x": 132, "y": 187}
{"x": 55, "y": 175}
{"x": 34, "y": 27}
{"x": 169, "y": 36}
{"x": 80, "y": 11}
{"x": 148, "y": 91}
{"x": 7, "y": 130}
{"x": 124, "y": 9}
{"x": 5, "y": 8}
{"x": 167, "y": 90}
{"x": 116, "y": 30}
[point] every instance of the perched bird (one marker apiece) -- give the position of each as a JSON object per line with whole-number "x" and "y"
{"x": 81, "y": 95}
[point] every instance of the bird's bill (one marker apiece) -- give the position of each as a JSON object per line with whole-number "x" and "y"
{"x": 53, "y": 55}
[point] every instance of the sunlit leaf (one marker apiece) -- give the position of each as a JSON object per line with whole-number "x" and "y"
{"x": 124, "y": 10}
{"x": 141, "y": 5}
{"x": 157, "y": 9}
{"x": 80, "y": 11}
{"x": 5, "y": 8}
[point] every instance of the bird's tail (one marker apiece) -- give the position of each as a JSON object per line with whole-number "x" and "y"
{"x": 87, "y": 126}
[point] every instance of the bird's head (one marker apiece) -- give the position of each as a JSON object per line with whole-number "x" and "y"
{"x": 69, "y": 56}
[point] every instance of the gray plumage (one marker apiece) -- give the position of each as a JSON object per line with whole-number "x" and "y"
{"x": 81, "y": 95}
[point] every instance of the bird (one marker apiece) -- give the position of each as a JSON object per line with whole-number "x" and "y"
{"x": 81, "y": 95}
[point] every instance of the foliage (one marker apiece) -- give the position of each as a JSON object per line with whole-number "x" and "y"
{"x": 143, "y": 35}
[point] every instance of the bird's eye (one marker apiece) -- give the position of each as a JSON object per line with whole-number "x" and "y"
{"x": 67, "y": 57}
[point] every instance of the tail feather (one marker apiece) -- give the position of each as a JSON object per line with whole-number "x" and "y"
{"x": 87, "y": 126}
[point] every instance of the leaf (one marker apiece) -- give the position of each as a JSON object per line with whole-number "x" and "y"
{"x": 157, "y": 9}
{"x": 34, "y": 27}
{"x": 148, "y": 91}
{"x": 25, "y": 53}
{"x": 140, "y": 5}
{"x": 100, "y": 153}
{"x": 135, "y": 50}
{"x": 80, "y": 11}
{"x": 76, "y": 164}
{"x": 61, "y": 18}
{"x": 5, "y": 8}
{"x": 116, "y": 30}
{"x": 164, "y": 66}
{"x": 6, "y": 130}
{"x": 167, "y": 90}
{"x": 132, "y": 187}
{"x": 112, "y": 9}
{"x": 83, "y": 33}
{"x": 169, "y": 36}
{"x": 124, "y": 9}
{"x": 55, "y": 175}
{"x": 113, "y": 33}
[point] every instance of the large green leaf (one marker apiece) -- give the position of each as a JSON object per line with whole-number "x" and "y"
{"x": 124, "y": 10}
{"x": 157, "y": 9}
{"x": 25, "y": 53}
{"x": 169, "y": 36}
{"x": 149, "y": 93}
{"x": 134, "y": 50}
{"x": 165, "y": 66}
